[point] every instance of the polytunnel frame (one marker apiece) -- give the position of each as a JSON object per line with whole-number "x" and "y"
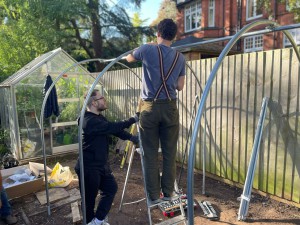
{"x": 113, "y": 61}
{"x": 79, "y": 130}
{"x": 190, "y": 181}
{"x": 229, "y": 45}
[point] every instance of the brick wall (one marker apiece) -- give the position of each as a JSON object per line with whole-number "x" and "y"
{"x": 227, "y": 22}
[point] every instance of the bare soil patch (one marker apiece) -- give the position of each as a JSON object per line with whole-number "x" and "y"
{"x": 223, "y": 197}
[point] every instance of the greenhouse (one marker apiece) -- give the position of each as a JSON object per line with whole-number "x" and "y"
{"x": 21, "y": 99}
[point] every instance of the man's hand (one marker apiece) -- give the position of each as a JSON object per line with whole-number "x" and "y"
{"x": 0, "y": 203}
{"x": 137, "y": 117}
{"x": 135, "y": 140}
{"x": 130, "y": 58}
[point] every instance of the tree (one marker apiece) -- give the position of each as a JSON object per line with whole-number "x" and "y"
{"x": 21, "y": 39}
{"x": 293, "y": 7}
{"x": 137, "y": 23}
{"x": 167, "y": 9}
{"x": 83, "y": 28}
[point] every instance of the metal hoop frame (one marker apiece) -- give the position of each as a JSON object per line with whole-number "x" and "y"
{"x": 233, "y": 40}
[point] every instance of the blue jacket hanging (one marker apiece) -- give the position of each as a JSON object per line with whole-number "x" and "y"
{"x": 51, "y": 104}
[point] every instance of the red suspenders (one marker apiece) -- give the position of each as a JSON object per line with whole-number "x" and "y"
{"x": 163, "y": 77}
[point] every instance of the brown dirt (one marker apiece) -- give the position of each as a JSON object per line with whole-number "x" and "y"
{"x": 223, "y": 197}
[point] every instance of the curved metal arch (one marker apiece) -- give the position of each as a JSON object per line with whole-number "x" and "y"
{"x": 193, "y": 72}
{"x": 112, "y": 62}
{"x": 42, "y": 124}
{"x": 43, "y": 109}
{"x": 191, "y": 160}
{"x": 80, "y": 129}
{"x": 127, "y": 67}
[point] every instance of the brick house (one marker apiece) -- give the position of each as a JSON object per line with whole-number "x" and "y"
{"x": 200, "y": 20}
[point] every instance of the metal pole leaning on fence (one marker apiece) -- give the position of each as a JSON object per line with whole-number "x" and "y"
{"x": 246, "y": 196}
{"x": 225, "y": 51}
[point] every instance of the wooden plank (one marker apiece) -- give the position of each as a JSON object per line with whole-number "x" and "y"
{"x": 54, "y": 195}
{"x": 24, "y": 217}
{"x": 173, "y": 221}
{"x": 74, "y": 196}
{"x": 75, "y": 212}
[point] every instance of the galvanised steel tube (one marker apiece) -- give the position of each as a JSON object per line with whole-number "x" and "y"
{"x": 42, "y": 124}
{"x": 123, "y": 57}
{"x": 80, "y": 127}
{"x": 225, "y": 51}
{"x": 42, "y": 118}
{"x": 246, "y": 196}
{"x": 188, "y": 137}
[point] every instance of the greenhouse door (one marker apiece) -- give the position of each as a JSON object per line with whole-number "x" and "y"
{"x": 65, "y": 128}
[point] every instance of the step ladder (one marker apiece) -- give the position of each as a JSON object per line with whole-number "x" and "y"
{"x": 175, "y": 220}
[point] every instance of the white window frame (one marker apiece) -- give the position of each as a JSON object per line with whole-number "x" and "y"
{"x": 211, "y": 13}
{"x": 253, "y": 43}
{"x": 296, "y": 35}
{"x": 254, "y": 16}
{"x": 188, "y": 13}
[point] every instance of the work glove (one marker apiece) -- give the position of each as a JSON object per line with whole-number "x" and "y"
{"x": 135, "y": 140}
{"x": 137, "y": 117}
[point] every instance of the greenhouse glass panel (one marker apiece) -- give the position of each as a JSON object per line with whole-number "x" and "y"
{"x": 22, "y": 96}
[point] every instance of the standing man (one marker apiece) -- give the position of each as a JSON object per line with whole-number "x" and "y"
{"x": 95, "y": 146}
{"x": 163, "y": 74}
{"x": 5, "y": 208}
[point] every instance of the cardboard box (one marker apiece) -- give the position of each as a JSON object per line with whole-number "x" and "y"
{"x": 23, "y": 188}
{"x": 38, "y": 169}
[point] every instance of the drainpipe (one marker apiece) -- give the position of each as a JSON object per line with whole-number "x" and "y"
{"x": 275, "y": 15}
{"x": 223, "y": 20}
{"x": 239, "y": 23}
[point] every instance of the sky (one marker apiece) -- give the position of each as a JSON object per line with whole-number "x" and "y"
{"x": 149, "y": 10}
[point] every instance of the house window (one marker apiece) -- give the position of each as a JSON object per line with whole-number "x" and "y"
{"x": 192, "y": 16}
{"x": 296, "y": 35}
{"x": 253, "y": 43}
{"x": 253, "y": 11}
{"x": 211, "y": 13}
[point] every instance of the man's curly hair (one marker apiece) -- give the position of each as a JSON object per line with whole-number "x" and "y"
{"x": 167, "y": 29}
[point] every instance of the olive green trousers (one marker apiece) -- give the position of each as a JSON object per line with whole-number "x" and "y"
{"x": 159, "y": 122}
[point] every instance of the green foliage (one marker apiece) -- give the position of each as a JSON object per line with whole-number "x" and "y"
{"x": 23, "y": 35}
{"x": 29, "y": 99}
{"x": 69, "y": 112}
{"x": 293, "y": 6}
{"x": 85, "y": 29}
{"x": 4, "y": 138}
{"x": 167, "y": 9}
